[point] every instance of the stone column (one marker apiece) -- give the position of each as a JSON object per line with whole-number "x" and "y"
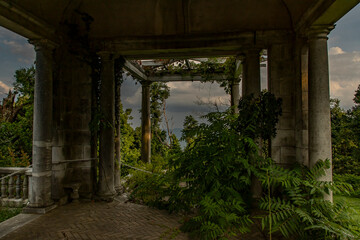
{"x": 235, "y": 84}
{"x": 235, "y": 95}
{"x": 106, "y": 189}
{"x": 319, "y": 101}
{"x": 40, "y": 191}
{"x": 251, "y": 83}
{"x": 145, "y": 123}
{"x": 282, "y": 79}
{"x": 118, "y": 135}
{"x": 301, "y": 102}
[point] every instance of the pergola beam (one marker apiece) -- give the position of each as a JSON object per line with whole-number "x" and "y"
{"x": 186, "y": 78}
{"x": 135, "y": 71}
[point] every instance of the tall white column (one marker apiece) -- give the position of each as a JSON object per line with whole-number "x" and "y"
{"x": 145, "y": 123}
{"x": 106, "y": 187}
{"x": 319, "y": 101}
{"x": 40, "y": 192}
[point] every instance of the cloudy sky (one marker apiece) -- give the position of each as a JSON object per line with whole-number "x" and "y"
{"x": 344, "y": 62}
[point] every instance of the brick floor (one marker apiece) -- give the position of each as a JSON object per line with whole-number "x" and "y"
{"x": 100, "y": 220}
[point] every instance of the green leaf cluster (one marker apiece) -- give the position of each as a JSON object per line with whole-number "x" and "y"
{"x": 298, "y": 209}
{"x": 16, "y": 120}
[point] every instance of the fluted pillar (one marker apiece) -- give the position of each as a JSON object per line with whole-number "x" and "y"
{"x": 145, "y": 123}
{"x": 40, "y": 187}
{"x": 106, "y": 189}
{"x": 319, "y": 101}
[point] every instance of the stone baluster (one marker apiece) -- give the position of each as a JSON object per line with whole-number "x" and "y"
{"x": 18, "y": 188}
{"x": 11, "y": 187}
{"x": 25, "y": 187}
{"x": 3, "y": 187}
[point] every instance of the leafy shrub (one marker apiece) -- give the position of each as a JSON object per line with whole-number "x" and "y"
{"x": 6, "y": 213}
{"x": 352, "y": 179}
{"x": 217, "y": 173}
{"x": 300, "y": 211}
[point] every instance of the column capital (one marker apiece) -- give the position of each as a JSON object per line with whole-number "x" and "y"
{"x": 319, "y": 31}
{"x": 43, "y": 44}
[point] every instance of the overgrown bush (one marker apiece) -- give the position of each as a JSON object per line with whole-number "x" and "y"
{"x": 6, "y": 213}
{"x": 299, "y": 210}
{"x": 352, "y": 179}
{"x": 210, "y": 181}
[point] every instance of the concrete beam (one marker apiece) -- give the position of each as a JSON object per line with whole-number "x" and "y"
{"x": 186, "y": 78}
{"x": 336, "y": 11}
{"x": 23, "y": 23}
{"x": 325, "y": 12}
{"x": 192, "y": 46}
{"x": 135, "y": 71}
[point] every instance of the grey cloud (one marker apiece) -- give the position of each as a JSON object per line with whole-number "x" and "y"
{"x": 344, "y": 77}
{"x": 24, "y": 50}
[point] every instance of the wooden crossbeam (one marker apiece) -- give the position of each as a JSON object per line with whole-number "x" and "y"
{"x": 186, "y": 78}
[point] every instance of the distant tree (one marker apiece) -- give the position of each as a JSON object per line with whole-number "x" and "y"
{"x": 16, "y": 118}
{"x": 345, "y": 127}
{"x": 190, "y": 123}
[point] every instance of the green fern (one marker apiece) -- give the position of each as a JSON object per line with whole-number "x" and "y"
{"x": 300, "y": 211}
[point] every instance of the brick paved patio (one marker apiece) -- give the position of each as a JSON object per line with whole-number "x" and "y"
{"x": 99, "y": 220}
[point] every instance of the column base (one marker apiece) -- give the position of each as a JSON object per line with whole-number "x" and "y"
{"x": 107, "y": 197}
{"x": 39, "y": 210}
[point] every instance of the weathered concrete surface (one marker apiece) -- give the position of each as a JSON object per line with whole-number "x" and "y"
{"x": 16, "y": 222}
{"x": 251, "y": 81}
{"x": 71, "y": 152}
{"x": 145, "y": 123}
{"x": 302, "y": 103}
{"x": 40, "y": 186}
{"x": 203, "y": 27}
{"x": 106, "y": 187}
{"x": 117, "y": 137}
{"x": 282, "y": 85}
{"x": 319, "y": 101}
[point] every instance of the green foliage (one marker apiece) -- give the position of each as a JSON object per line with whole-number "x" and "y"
{"x": 6, "y": 213}
{"x": 217, "y": 165}
{"x": 217, "y": 172}
{"x": 130, "y": 141}
{"x": 345, "y": 126}
{"x": 190, "y": 123}
{"x": 16, "y": 121}
{"x": 300, "y": 211}
{"x": 352, "y": 179}
{"x": 148, "y": 186}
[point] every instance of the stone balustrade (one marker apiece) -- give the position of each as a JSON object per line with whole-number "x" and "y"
{"x": 14, "y": 186}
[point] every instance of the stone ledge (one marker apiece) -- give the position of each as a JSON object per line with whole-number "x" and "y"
{"x": 43, "y": 210}
{"x": 16, "y": 222}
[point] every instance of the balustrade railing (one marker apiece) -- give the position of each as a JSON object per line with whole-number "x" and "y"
{"x": 14, "y": 190}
